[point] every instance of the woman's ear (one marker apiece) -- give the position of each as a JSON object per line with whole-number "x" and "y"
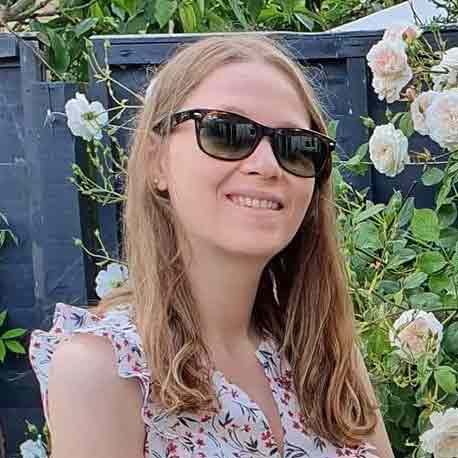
{"x": 158, "y": 164}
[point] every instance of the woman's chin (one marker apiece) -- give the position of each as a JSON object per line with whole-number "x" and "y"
{"x": 256, "y": 248}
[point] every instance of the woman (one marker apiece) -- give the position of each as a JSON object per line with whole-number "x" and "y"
{"x": 241, "y": 342}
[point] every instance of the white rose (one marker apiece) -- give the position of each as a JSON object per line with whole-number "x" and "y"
{"x": 33, "y": 449}
{"x": 115, "y": 275}
{"x": 442, "y": 439}
{"x": 416, "y": 332}
{"x": 448, "y": 70}
{"x": 442, "y": 119}
{"x": 440, "y": 79}
{"x": 450, "y": 60}
{"x": 388, "y": 150}
{"x": 418, "y": 111}
{"x": 85, "y": 119}
{"x": 390, "y": 68}
{"x": 402, "y": 32}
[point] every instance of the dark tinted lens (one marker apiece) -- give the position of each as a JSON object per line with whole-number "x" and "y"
{"x": 226, "y": 137}
{"x": 302, "y": 154}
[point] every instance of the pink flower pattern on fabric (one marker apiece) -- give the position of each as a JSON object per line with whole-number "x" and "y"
{"x": 239, "y": 430}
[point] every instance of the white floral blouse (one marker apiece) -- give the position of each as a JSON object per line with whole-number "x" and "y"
{"x": 238, "y": 430}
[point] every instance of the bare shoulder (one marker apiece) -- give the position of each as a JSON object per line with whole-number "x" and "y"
{"x": 92, "y": 410}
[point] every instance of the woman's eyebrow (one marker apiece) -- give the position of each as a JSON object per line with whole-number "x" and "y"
{"x": 285, "y": 123}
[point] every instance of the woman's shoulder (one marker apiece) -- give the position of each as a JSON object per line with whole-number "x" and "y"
{"x": 77, "y": 326}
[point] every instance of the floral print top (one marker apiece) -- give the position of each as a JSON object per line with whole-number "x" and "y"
{"x": 238, "y": 430}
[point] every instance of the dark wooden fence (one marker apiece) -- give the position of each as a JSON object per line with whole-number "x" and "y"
{"x": 46, "y": 212}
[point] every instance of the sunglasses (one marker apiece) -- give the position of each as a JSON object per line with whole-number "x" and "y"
{"x": 231, "y": 137}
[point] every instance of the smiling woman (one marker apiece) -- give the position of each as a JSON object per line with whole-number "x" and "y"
{"x": 237, "y": 333}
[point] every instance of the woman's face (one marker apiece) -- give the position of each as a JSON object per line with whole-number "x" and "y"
{"x": 210, "y": 195}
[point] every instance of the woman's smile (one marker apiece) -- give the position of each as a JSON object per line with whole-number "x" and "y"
{"x": 255, "y": 199}
{"x": 263, "y": 204}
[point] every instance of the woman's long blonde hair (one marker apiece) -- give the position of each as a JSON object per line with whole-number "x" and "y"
{"x": 313, "y": 321}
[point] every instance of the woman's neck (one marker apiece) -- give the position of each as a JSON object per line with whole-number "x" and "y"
{"x": 224, "y": 287}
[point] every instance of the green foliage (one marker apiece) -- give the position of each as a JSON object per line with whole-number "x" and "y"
{"x": 6, "y": 233}
{"x": 8, "y": 339}
{"x": 399, "y": 257}
{"x": 71, "y": 22}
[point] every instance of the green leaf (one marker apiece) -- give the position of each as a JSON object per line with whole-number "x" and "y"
{"x": 377, "y": 341}
{"x": 406, "y": 212}
{"x": 60, "y": 56}
{"x": 121, "y": 14}
{"x": 389, "y": 287}
{"x": 305, "y": 20}
{"x": 397, "y": 116}
{"x": 85, "y": 26}
{"x": 401, "y": 257}
{"x": 95, "y": 10}
{"x": 423, "y": 423}
{"x": 432, "y": 176}
{"x": 187, "y": 17}
{"x": 216, "y": 23}
{"x": 3, "y": 317}
{"x": 393, "y": 207}
{"x": 254, "y": 8}
{"x": 201, "y": 5}
{"x": 431, "y": 261}
{"x": 406, "y": 124}
{"x": 455, "y": 258}
{"x": 425, "y": 301}
{"x": 268, "y": 13}
{"x": 369, "y": 213}
{"x": 136, "y": 24}
{"x": 447, "y": 215}
{"x": 440, "y": 282}
{"x": 164, "y": 10}
{"x": 367, "y": 236}
{"x": 2, "y": 351}
{"x": 15, "y": 346}
{"x": 360, "y": 154}
{"x": 398, "y": 297}
{"x": 448, "y": 238}
{"x": 452, "y": 168}
{"x": 332, "y": 128}
{"x": 445, "y": 378}
{"x": 414, "y": 280}
{"x": 131, "y": 7}
{"x": 450, "y": 340}
{"x": 368, "y": 122}
{"x": 11, "y": 333}
{"x": 235, "y": 5}
{"x": 444, "y": 191}
{"x": 397, "y": 244}
{"x": 425, "y": 225}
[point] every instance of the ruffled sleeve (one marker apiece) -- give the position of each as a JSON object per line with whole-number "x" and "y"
{"x": 115, "y": 324}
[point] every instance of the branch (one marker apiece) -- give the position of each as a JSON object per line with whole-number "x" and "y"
{"x": 21, "y": 10}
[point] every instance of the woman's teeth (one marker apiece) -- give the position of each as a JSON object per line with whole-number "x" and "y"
{"x": 254, "y": 203}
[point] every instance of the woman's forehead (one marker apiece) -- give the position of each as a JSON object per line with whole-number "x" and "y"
{"x": 253, "y": 90}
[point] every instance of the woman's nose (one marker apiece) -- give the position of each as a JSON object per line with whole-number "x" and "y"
{"x": 262, "y": 161}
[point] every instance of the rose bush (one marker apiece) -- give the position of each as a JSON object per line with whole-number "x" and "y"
{"x": 442, "y": 439}
{"x": 402, "y": 261}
